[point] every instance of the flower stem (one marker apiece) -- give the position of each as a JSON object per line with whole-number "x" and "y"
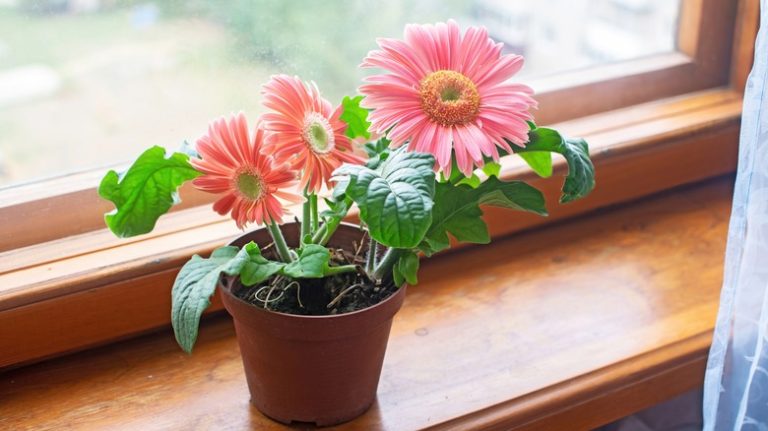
{"x": 341, "y": 269}
{"x": 326, "y": 231}
{"x": 280, "y": 245}
{"x": 317, "y": 236}
{"x": 314, "y": 216}
{"x": 329, "y": 232}
{"x": 370, "y": 261}
{"x": 387, "y": 263}
{"x": 306, "y": 216}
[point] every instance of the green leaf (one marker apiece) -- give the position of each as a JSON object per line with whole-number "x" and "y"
{"x": 312, "y": 262}
{"x": 539, "y": 161}
{"x": 406, "y": 269}
{"x": 457, "y": 210}
{"x": 194, "y": 286}
{"x": 395, "y": 199}
{"x": 356, "y": 117}
{"x": 377, "y": 152}
{"x": 473, "y": 181}
{"x": 258, "y": 268}
{"x": 492, "y": 169}
{"x": 145, "y": 191}
{"x": 515, "y": 195}
{"x": 377, "y": 147}
{"x": 581, "y": 173}
{"x": 336, "y": 208}
{"x": 397, "y": 277}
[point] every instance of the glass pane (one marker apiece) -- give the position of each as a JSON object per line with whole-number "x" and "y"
{"x": 87, "y": 83}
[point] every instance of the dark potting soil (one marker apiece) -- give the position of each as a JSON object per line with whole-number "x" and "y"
{"x": 343, "y": 293}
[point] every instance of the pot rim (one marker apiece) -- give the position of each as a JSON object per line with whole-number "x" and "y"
{"x": 227, "y": 289}
{"x": 228, "y": 292}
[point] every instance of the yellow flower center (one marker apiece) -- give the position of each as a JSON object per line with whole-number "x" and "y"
{"x": 449, "y": 98}
{"x": 318, "y": 133}
{"x": 249, "y": 185}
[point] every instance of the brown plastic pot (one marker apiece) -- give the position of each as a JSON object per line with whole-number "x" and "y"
{"x": 321, "y": 369}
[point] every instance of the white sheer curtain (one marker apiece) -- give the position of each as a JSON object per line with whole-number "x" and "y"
{"x": 736, "y": 385}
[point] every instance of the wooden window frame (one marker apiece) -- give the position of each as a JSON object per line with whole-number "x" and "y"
{"x": 73, "y": 203}
{"x": 61, "y": 293}
{"x": 697, "y": 65}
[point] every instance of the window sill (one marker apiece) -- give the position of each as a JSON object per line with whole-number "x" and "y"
{"x": 580, "y": 324}
{"x": 65, "y": 296}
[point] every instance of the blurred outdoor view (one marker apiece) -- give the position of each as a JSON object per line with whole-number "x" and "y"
{"x": 90, "y": 83}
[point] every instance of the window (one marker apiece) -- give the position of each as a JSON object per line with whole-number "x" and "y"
{"x": 109, "y": 78}
{"x": 89, "y": 83}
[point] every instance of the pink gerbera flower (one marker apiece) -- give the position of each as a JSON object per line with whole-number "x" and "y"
{"x": 251, "y": 181}
{"x": 447, "y": 91}
{"x": 308, "y": 131}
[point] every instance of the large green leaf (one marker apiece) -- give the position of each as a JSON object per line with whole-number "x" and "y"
{"x": 312, "y": 262}
{"x": 539, "y": 161}
{"x": 194, "y": 286}
{"x": 581, "y": 173}
{"x": 258, "y": 268}
{"x": 145, "y": 191}
{"x": 395, "y": 199}
{"x": 377, "y": 151}
{"x": 492, "y": 169}
{"x": 406, "y": 268}
{"x": 356, "y": 117}
{"x": 457, "y": 210}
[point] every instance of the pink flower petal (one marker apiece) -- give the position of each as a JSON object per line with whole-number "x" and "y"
{"x": 227, "y": 152}
{"x": 399, "y": 110}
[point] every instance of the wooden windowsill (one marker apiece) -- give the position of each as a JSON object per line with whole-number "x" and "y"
{"x": 567, "y": 327}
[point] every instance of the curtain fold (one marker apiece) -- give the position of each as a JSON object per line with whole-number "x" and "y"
{"x": 736, "y": 382}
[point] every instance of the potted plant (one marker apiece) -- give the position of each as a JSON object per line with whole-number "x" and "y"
{"x": 417, "y": 155}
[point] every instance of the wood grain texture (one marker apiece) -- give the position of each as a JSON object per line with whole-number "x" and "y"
{"x": 565, "y": 328}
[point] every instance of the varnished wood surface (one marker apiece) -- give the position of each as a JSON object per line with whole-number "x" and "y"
{"x": 564, "y": 328}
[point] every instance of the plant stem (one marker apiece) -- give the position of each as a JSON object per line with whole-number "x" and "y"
{"x": 329, "y": 232}
{"x": 341, "y": 269}
{"x": 314, "y": 216}
{"x": 326, "y": 231}
{"x": 306, "y": 216}
{"x": 387, "y": 263}
{"x": 317, "y": 236}
{"x": 279, "y": 240}
{"x": 370, "y": 260}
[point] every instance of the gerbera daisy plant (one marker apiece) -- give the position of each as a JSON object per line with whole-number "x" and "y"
{"x": 414, "y": 158}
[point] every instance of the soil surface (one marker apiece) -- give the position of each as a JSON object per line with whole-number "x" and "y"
{"x": 339, "y": 294}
